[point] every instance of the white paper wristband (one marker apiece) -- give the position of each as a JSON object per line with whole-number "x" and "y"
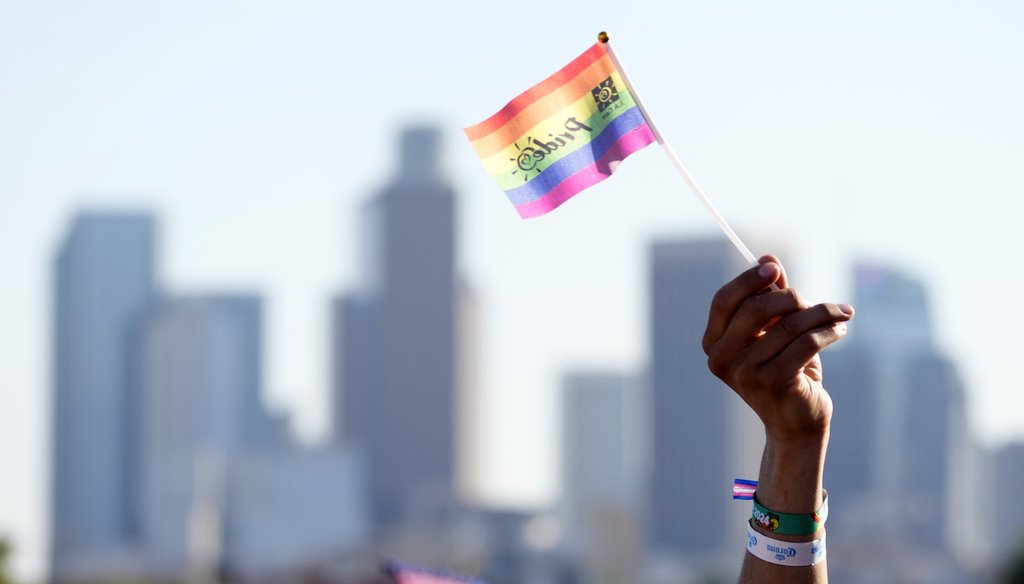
{"x": 785, "y": 553}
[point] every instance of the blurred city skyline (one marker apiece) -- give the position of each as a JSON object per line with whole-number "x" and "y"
{"x": 167, "y": 464}
{"x": 888, "y": 132}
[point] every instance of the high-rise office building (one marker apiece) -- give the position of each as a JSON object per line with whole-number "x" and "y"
{"x": 202, "y": 409}
{"x": 900, "y": 444}
{"x": 935, "y": 429}
{"x": 166, "y": 461}
{"x": 704, "y": 435}
{"x": 892, "y": 311}
{"x": 1008, "y": 469}
{"x": 396, "y": 356}
{"x": 851, "y": 473}
{"x": 602, "y": 471}
{"x": 891, "y": 327}
{"x": 289, "y": 507}
{"x": 222, "y": 487}
{"x": 104, "y": 283}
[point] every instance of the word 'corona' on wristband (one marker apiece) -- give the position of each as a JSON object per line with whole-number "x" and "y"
{"x": 785, "y": 553}
{"x": 789, "y": 523}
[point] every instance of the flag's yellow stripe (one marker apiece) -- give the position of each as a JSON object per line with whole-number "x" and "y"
{"x": 502, "y": 161}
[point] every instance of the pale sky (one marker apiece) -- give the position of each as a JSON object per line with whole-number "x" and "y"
{"x": 882, "y": 130}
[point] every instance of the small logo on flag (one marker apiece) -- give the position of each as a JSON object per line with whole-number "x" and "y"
{"x": 605, "y": 94}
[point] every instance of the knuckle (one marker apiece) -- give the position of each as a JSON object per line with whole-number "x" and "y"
{"x": 801, "y": 302}
{"x": 772, "y": 304}
{"x": 792, "y": 298}
{"x": 789, "y": 326}
{"x": 834, "y": 312}
{"x": 814, "y": 341}
{"x": 718, "y": 365}
{"x": 714, "y": 365}
{"x": 826, "y": 312}
{"x": 720, "y": 300}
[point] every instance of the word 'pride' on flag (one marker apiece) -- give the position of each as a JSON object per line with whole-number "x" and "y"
{"x": 565, "y": 134}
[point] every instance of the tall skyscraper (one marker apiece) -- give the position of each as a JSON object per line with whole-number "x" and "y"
{"x": 166, "y": 462}
{"x": 396, "y": 338}
{"x": 851, "y": 471}
{"x": 104, "y": 283}
{"x": 1008, "y": 469}
{"x": 892, "y": 311}
{"x": 892, "y": 326}
{"x": 601, "y": 471}
{"x": 935, "y": 429}
{"x": 704, "y": 435}
{"x": 900, "y": 444}
{"x": 202, "y": 409}
{"x": 222, "y": 486}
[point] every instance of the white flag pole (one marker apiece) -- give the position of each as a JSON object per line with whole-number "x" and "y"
{"x": 735, "y": 239}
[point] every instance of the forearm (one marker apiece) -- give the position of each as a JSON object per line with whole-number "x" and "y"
{"x": 790, "y": 481}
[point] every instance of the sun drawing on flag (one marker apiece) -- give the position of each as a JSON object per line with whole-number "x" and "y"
{"x": 525, "y": 160}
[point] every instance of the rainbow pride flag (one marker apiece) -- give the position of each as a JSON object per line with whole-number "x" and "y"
{"x": 565, "y": 134}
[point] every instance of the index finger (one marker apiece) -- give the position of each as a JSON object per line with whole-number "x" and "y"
{"x": 729, "y": 297}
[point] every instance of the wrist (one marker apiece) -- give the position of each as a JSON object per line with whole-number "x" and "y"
{"x": 790, "y": 480}
{"x": 801, "y": 452}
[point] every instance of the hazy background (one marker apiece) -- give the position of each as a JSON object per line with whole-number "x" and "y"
{"x": 255, "y": 129}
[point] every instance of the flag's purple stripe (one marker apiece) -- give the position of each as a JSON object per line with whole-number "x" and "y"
{"x": 745, "y": 482}
{"x": 589, "y": 175}
{"x": 541, "y": 184}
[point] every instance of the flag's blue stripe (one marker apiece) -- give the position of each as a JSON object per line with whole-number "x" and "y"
{"x": 550, "y": 177}
{"x": 745, "y": 482}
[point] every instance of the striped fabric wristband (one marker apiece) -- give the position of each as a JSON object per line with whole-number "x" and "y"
{"x": 743, "y": 489}
{"x": 785, "y": 553}
{"x": 789, "y": 523}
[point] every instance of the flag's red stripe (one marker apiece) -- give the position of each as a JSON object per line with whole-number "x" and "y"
{"x": 536, "y": 92}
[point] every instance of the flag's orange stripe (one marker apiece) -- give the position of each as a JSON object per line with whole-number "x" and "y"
{"x": 536, "y": 92}
{"x": 568, "y": 93}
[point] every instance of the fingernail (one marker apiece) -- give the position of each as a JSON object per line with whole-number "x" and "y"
{"x": 841, "y": 328}
{"x": 846, "y": 309}
{"x": 769, "y": 270}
